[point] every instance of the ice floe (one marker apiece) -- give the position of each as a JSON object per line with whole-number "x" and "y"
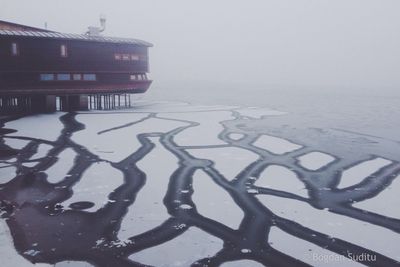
{"x": 386, "y": 203}
{"x": 214, "y": 202}
{"x": 181, "y": 251}
{"x": 148, "y": 210}
{"x": 96, "y": 184}
{"x": 337, "y": 226}
{"x": 7, "y": 174}
{"x": 281, "y": 178}
{"x": 119, "y": 143}
{"x": 359, "y": 172}
{"x": 204, "y": 134}
{"x": 42, "y": 126}
{"x": 276, "y": 145}
{"x": 315, "y": 160}
{"x": 58, "y": 172}
{"x": 228, "y": 161}
{"x": 306, "y": 251}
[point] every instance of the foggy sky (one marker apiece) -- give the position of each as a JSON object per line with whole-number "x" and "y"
{"x": 334, "y": 43}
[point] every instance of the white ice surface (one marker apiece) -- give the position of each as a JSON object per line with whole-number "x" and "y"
{"x": 118, "y": 144}
{"x": 256, "y": 112}
{"x": 204, "y": 134}
{"x": 8, "y": 255}
{"x": 7, "y": 174}
{"x": 73, "y": 264}
{"x": 242, "y": 263}
{"x": 276, "y": 145}
{"x": 387, "y": 203}
{"x": 95, "y": 185}
{"x": 306, "y": 251}
{"x": 281, "y": 178}
{"x": 236, "y": 136}
{"x": 181, "y": 251}
{"x": 359, "y": 172}
{"x": 148, "y": 210}
{"x": 176, "y": 107}
{"x": 228, "y": 161}
{"x": 337, "y": 226}
{"x": 214, "y": 202}
{"x": 60, "y": 169}
{"x": 42, "y": 151}
{"x": 315, "y": 160}
{"x": 43, "y": 126}
{"x": 15, "y": 143}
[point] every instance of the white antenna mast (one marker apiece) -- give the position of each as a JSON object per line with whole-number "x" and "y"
{"x": 95, "y": 31}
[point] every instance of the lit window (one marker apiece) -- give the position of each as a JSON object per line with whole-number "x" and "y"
{"x": 14, "y": 49}
{"x": 117, "y": 56}
{"x": 64, "y": 51}
{"x": 47, "y": 77}
{"x": 89, "y": 77}
{"x": 77, "y": 77}
{"x": 134, "y": 57}
{"x": 63, "y": 77}
{"x": 133, "y": 77}
{"x": 126, "y": 57}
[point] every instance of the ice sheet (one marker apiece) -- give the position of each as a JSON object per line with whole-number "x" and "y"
{"x": 307, "y": 251}
{"x": 236, "y": 136}
{"x": 118, "y": 144}
{"x": 181, "y": 251}
{"x": 96, "y": 184}
{"x": 228, "y": 161}
{"x": 60, "y": 169}
{"x": 361, "y": 171}
{"x": 148, "y": 210}
{"x": 242, "y": 263}
{"x": 7, "y": 174}
{"x": 281, "y": 178}
{"x": 214, "y": 202}
{"x": 337, "y": 226}
{"x": 73, "y": 264}
{"x": 387, "y": 203}
{"x": 43, "y": 126}
{"x": 315, "y": 160}
{"x": 276, "y": 145}
{"x": 204, "y": 134}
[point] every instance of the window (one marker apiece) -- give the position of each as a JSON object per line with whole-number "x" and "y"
{"x": 47, "y": 77}
{"x": 64, "y": 51}
{"x": 133, "y": 77}
{"x": 117, "y": 56}
{"x": 134, "y": 57}
{"x": 14, "y": 49}
{"x": 126, "y": 57}
{"x": 77, "y": 77}
{"x": 89, "y": 77}
{"x": 63, "y": 77}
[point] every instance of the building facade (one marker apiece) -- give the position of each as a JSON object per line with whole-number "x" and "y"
{"x": 37, "y": 67}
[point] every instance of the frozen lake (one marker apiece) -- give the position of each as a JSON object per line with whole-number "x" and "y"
{"x": 266, "y": 179}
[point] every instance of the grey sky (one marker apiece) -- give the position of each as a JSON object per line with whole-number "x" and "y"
{"x": 335, "y": 43}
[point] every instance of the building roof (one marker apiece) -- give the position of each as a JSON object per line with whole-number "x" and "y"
{"x": 68, "y": 36}
{"x": 6, "y": 25}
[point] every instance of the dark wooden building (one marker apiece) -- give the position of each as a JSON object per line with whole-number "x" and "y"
{"x": 41, "y": 70}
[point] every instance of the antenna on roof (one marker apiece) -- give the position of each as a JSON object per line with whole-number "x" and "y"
{"x": 95, "y": 31}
